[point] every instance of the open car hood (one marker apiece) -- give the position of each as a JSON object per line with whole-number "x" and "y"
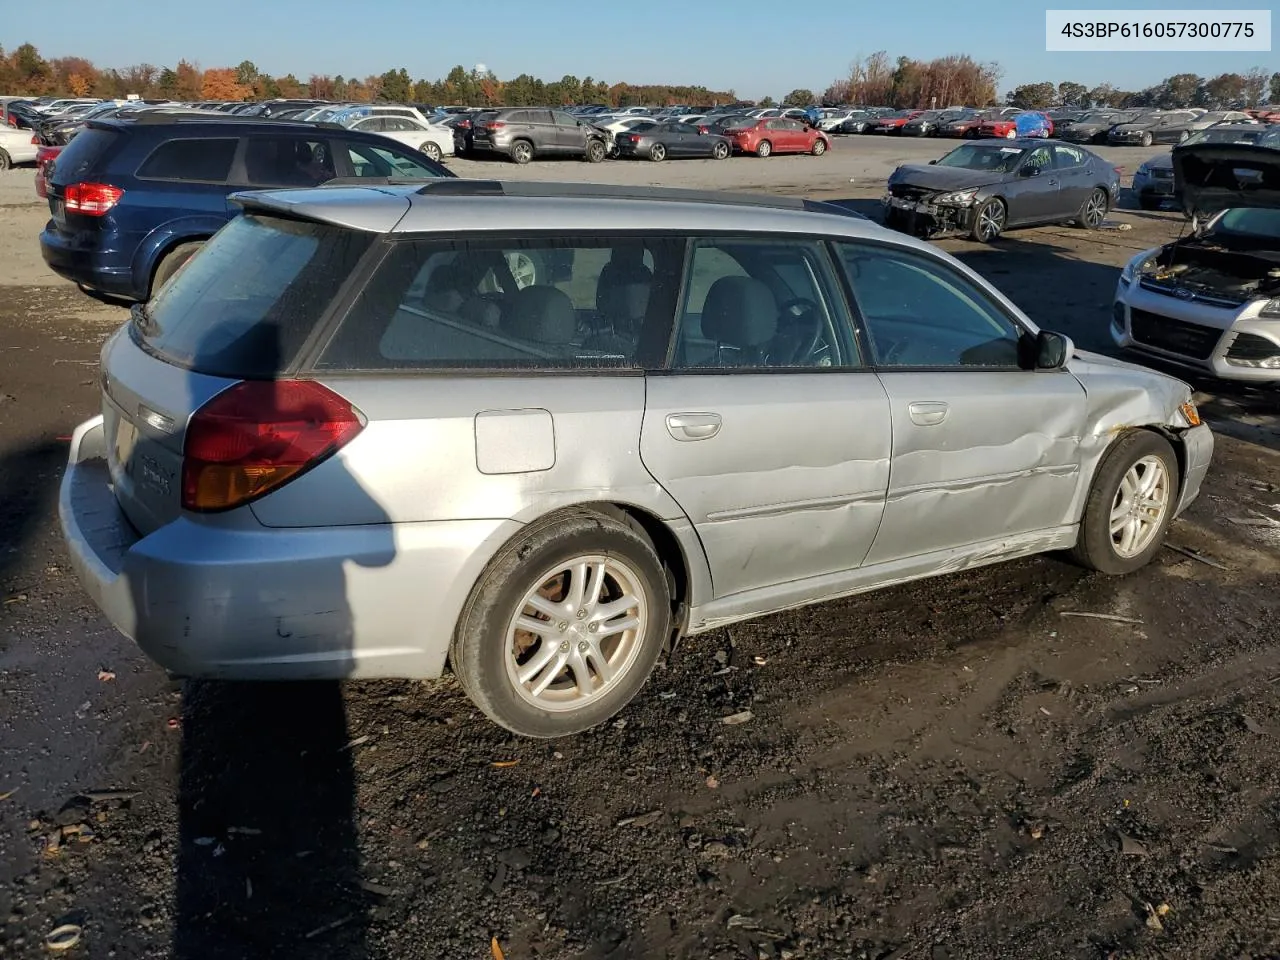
{"x": 1212, "y": 177}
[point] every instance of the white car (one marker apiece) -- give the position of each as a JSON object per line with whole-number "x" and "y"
{"x": 16, "y": 146}
{"x": 623, "y": 124}
{"x": 431, "y": 139}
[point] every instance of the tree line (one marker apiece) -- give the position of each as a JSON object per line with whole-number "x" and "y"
{"x": 26, "y": 72}
{"x": 1225, "y": 91}
{"x": 878, "y": 80}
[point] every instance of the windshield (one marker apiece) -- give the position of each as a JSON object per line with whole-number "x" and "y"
{"x": 983, "y": 156}
{"x": 1248, "y": 223}
{"x": 245, "y": 304}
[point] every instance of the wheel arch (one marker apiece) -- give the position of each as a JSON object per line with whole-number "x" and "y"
{"x": 161, "y": 240}
{"x": 1113, "y": 436}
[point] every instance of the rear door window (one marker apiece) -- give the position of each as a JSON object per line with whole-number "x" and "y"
{"x": 206, "y": 160}
{"x": 245, "y": 303}
{"x": 287, "y": 162}
{"x": 547, "y": 304}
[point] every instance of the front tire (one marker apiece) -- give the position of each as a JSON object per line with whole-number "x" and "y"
{"x": 819, "y": 147}
{"x": 989, "y": 221}
{"x": 596, "y": 151}
{"x": 5, "y": 160}
{"x": 564, "y": 627}
{"x": 764, "y": 149}
{"x": 431, "y": 151}
{"x": 720, "y": 151}
{"x": 1130, "y": 505}
{"x": 1147, "y": 139}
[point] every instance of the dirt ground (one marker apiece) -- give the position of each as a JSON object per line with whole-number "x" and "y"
{"x": 961, "y": 768}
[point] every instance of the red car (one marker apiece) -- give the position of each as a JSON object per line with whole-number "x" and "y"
{"x": 778, "y": 135}
{"x": 894, "y": 122}
{"x": 1031, "y": 123}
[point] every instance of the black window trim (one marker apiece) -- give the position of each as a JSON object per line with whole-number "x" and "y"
{"x": 860, "y": 321}
{"x": 236, "y": 160}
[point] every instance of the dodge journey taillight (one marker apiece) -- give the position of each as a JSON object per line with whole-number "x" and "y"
{"x": 91, "y": 199}
{"x": 258, "y": 435}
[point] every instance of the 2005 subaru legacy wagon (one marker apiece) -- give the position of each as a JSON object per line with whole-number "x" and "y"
{"x": 535, "y": 431}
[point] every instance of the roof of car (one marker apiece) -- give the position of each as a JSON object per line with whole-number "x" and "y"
{"x": 491, "y": 205}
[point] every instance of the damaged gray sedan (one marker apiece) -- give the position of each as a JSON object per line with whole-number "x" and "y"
{"x": 985, "y": 187}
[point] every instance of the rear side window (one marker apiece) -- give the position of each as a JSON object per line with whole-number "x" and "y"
{"x": 287, "y": 162}
{"x": 245, "y": 303}
{"x": 550, "y": 304}
{"x": 83, "y": 155}
{"x": 207, "y": 160}
{"x": 368, "y": 160}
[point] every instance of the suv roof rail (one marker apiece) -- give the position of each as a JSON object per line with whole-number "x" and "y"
{"x": 147, "y": 117}
{"x": 607, "y": 191}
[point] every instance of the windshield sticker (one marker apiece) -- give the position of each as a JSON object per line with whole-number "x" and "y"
{"x": 1010, "y": 150}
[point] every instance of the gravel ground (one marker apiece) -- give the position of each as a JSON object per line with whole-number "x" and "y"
{"x": 952, "y": 769}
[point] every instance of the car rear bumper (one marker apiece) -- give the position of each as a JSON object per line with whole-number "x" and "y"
{"x": 260, "y": 603}
{"x": 86, "y": 265}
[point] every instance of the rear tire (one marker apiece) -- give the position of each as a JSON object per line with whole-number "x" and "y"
{"x": 5, "y": 161}
{"x": 764, "y": 149}
{"x": 1094, "y": 210}
{"x": 657, "y": 153}
{"x": 721, "y": 151}
{"x": 491, "y": 654}
{"x": 522, "y": 152}
{"x": 431, "y": 151}
{"x": 1118, "y": 499}
{"x": 172, "y": 262}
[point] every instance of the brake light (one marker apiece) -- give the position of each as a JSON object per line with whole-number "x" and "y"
{"x": 257, "y": 436}
{"x": 35, "y": 141}
{"x": 91, "y": 199}
{"x": 495, "y": 125}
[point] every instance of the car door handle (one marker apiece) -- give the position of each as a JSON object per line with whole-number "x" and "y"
{"x": 928, "y": 413}
{"x": 693, "y": 426}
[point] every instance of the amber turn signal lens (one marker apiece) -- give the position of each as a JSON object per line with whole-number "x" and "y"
{"x": 1191, "y": 413}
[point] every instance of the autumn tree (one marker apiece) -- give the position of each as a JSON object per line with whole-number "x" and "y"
{"x": 837, "y": 93}
{"x": 246, "y": 73}
{"x": 1224, "y": 89}
{"x": 188, "y": 79}
{"x": 799, "y": 97}
{"x": 221, "y": 83}
{"x": 289, "y": 87}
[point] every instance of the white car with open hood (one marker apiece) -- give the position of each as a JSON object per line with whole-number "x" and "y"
{"x": 1210, "y": 300}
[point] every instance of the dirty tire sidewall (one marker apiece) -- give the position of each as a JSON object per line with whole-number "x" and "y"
{"x": 764, "y": 149}
{"x": 432, "y": 151}
{"x": 522, "y": 151}
{"x": 596, "y": 151}
{"x": 172, "y": 262}
{"x": 1094, "y": 548}
{"x": 478, "y": 652}
{"x": 5, "y": 161}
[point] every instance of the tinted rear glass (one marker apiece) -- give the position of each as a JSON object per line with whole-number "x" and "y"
{"x": 245, "y": 303}
{"x": 205, "y": 159}
{"x": 81, "y": 156}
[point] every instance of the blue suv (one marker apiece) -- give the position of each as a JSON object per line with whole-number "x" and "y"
{"x": 132, "y": 199}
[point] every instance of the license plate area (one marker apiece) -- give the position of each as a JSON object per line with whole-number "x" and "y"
{"x": 900, "y": 203}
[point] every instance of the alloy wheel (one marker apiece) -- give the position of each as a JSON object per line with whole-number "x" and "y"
{"x": 1139, "y": 507}
{"x": 576, "y": 633}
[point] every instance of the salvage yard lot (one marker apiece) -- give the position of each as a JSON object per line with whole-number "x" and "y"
{"x": 958, "y": 768}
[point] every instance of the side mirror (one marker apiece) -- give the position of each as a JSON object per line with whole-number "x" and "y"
{"x": 932, "y": 162}
{"x": 1053, "y": 350}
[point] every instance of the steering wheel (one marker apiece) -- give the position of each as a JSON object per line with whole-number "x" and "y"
{"x": 804, "y": 317}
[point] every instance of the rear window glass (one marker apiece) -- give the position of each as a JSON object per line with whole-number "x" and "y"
{"x": 246, "y": 302}
{"x": 205, "y": 159}
{"x": 548, "y": 304}
{"x": 80, "y": 157}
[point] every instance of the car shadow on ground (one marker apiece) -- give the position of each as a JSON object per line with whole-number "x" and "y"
{"x": 25, "y": 499}
{"x": 268, "y": 857}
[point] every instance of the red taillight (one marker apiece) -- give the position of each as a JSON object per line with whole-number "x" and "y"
{"x": 495, "y": 125}
{"x": 259, "y": 435}
{"x": 35, "y": 141}
{"x": 91, "y": 199}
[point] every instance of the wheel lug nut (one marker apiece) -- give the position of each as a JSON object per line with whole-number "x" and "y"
{"x": 564, "y": 646}
{"x": 593, "y": 627}
{"x": 582, "y": 614}
{"x": 582, "y": 646}
{"x": 563, "y": 626}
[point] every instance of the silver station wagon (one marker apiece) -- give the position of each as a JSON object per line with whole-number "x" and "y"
{"x": 532, "y": 433}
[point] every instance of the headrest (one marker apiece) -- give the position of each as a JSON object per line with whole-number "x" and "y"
{"x": 543, "y": 314}
{"x": 622, "y": 292}
{"x": 740, "y": 311}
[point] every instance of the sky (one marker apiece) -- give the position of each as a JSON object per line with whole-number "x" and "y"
{"x": 754, "y": 47}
